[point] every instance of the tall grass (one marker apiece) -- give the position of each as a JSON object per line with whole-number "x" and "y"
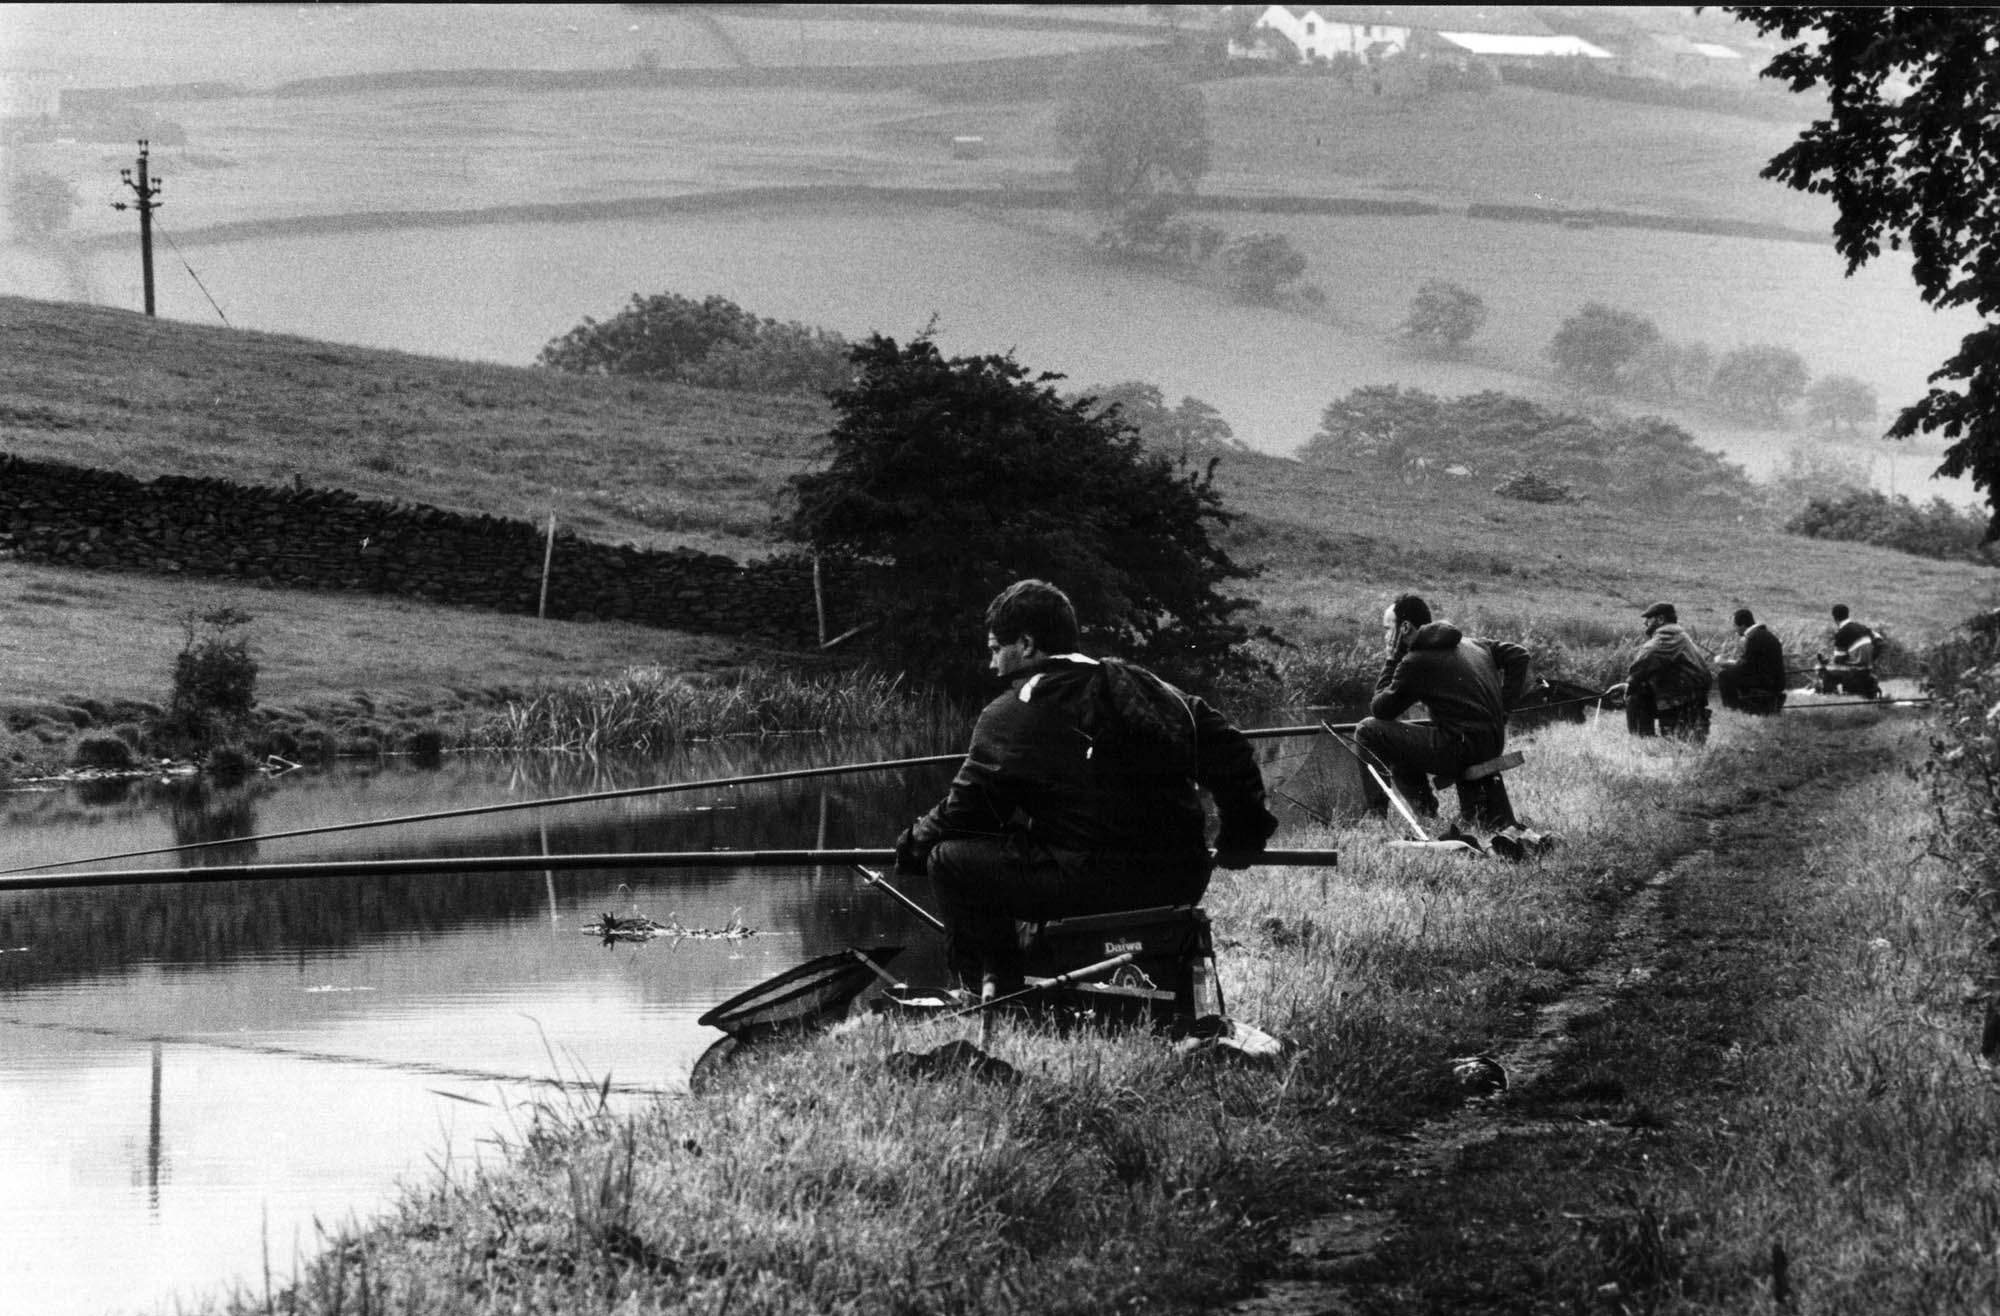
{"x": 651, "y": 708}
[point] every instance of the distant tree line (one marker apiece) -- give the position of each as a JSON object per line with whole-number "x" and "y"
{"x": 1603, "y": 349}
{"x": 1494, "y": 436}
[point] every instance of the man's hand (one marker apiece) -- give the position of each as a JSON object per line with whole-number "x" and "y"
{"x": 1239, "y": 846}
{"x": 909, "y": 859}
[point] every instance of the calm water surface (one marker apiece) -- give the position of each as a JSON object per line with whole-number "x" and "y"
{"x": 195, "y": 1078}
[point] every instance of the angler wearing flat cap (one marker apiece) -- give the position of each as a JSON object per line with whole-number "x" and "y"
{"x": 1667, "y": 683}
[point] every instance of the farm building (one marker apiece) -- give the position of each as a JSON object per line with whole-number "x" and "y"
{"x": 1373, "y": 33}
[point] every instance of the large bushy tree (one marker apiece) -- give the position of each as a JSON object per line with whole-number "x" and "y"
{"x": 1592, "y": 348}
{"x": 1841, "y": 403}
{"x": 1760, "y": 381}
{"x": 1138, "y": 133}
{"x": 1909, "y": 151}
{"x": 712, "y": 342}
{"x": 1444, "y": 315}
{"x": 953, "y": 476}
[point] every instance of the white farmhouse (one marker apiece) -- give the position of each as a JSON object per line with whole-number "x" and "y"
{"x": 1374, "y": 32}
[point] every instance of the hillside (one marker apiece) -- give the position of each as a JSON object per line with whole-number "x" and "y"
{"x": 659, "y": 465}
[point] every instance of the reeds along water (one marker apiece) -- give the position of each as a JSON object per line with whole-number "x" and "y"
{"x": 649, "y": 709}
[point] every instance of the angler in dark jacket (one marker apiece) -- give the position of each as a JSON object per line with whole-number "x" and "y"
{"x": 1079, "y": 793}
{"x": 1666, "y": 684}
{"x": 1466, "y": 684}
{"x": 1755, "y": 682}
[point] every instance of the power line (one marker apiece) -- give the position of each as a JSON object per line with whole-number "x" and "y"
{"x": 191, "y": 274}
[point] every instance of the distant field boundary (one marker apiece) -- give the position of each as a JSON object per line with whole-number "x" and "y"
{"x": 1031, "y": 198}
{"x": 303, "y": 537}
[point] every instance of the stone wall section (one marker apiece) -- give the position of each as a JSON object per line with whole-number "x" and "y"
{"x": 329, "y": 539}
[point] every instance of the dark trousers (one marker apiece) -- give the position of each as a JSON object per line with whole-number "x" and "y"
{"x": 1413, "y": 755}
{"x": 1729, "y": 684}
{"x": 984, "y": 885}
{"x": 1644, "y": 716}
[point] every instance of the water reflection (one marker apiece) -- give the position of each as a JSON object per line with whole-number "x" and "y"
{"x": 187, "y": 1070}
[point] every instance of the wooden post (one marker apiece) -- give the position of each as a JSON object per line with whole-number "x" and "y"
{"x": 548, "y": 556}
{"x": 819, "y": 601}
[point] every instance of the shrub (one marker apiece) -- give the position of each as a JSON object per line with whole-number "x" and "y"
{"x": 1261, "y": 264}
{"x": 104, "y": 752}
{"x": 214, "y": 678}
{"x": 713, "y": 343}
{"x": 1869, "y": 516}
{"x": 228, "y": 762}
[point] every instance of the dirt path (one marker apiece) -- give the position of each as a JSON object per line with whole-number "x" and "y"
{"x": 1479, "y": 1211}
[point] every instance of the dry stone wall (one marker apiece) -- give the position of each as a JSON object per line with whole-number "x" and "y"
{"x": 328, "y": 539}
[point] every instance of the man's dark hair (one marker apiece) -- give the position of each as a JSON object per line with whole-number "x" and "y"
{"x": 1412, "y": 609}
{"x": 1840, "y": 612}
{"x": 1743, "y": 618}
{"x": 1037, "y": 608}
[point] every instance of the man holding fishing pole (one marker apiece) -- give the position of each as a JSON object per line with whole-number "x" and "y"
{"x": 1667, "y": 682}
{"x": 1079, "y": 794}
{"x": 1467, "y": 685}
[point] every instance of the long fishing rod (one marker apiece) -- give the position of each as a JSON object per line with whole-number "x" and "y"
{"x": 628, "y": 792}
{"x": 1859, "y": 703}
{"x": 521, "y": 863}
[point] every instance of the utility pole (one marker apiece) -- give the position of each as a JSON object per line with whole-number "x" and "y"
{"x": 144, "y": 189}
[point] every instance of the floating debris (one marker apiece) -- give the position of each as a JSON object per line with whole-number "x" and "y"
{"x": 638, "y": 927}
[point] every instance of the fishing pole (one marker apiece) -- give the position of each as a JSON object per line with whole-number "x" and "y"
{"x": 592, "y": 797}
{"x": 1859, "y": 703}
{"x": 521, "y": 863}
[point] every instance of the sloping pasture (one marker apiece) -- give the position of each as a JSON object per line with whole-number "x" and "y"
{"x": 1030, "y": 283}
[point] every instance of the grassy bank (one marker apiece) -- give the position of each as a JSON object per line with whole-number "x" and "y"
{"x": 1118, "y": 1174}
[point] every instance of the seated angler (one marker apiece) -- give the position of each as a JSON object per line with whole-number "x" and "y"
{"x": 1667, "y": 682}
{"x": 1078, "y": 794}
{"x": 1855, "y": 645}
{"x": 1755, "y": 682}
{"x": 1466, "y": 684}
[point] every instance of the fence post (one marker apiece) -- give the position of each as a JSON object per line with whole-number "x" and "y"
{"x": 819, "y": 601}
{"x": 548, "y": 556}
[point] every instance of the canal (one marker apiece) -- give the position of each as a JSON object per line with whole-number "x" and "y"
{"x": 198, "y": 1080}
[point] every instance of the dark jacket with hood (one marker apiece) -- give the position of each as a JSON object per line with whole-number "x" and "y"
{"x": 1467, "y": 684}
{"x": 1098, "y": 763}
{"x": 1673, "y": 666}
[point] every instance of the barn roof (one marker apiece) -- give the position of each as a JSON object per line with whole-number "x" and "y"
{"x": 1499, "y": 20}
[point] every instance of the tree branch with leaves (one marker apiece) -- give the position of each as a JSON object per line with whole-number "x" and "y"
{"x": 1909, "y": 152}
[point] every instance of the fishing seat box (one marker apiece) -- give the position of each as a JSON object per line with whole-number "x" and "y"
{"x": 1171, "y": 976}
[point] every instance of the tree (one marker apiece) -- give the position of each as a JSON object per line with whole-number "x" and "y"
{"x": 1443, "y": 315}
{"x": 1841, "y": 402}
{"x": 713, "y": 343}
{"x": 1760, "y": 381}
{"x": 1189, "y": 431}
{"x": 40, "y": 204}
{"x": 1909, "y": 152}
{"x": 1670, "y": 370}
{"x": 955, "y": 476}
{"x": 1592, "y": 347}
{"x": 1260, "y": 265}
{"x": 1137, "y": 132}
